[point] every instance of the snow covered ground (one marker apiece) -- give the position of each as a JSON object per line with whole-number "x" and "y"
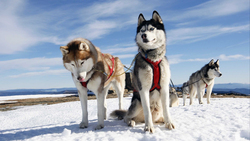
{"x": 225, "y": 119}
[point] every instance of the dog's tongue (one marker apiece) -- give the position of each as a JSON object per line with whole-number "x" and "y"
{"x": 82, "y": 80}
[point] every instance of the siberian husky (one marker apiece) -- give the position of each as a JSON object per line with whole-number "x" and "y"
{"x": 173, "y": 98}
{"x": 201, "y": 79}
{"x": 90, "y": 69}
{"x": 150, "y": 77}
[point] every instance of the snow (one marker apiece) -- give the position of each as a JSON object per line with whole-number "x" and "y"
{"x": 223, "y": 119}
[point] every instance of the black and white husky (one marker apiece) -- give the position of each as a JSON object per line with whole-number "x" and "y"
{"x": 201, "y": 79}
{"x": 150, "y": 77}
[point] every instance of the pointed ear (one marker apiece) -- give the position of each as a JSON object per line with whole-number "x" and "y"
{"x": 83, "y": 46}
{"x": 64, "y": 49}
{"x": 217, "y": 62}
{"x": 211, "y": 62}
{"x": 157, "y": 17}
{"x": 140, "y": 19}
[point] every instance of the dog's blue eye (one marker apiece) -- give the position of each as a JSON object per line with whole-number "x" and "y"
{"x": 73, "y": 65}
{"x": 151, "y": 29}
{"x": 143, "y": 30}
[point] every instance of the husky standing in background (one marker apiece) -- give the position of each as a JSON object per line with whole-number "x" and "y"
{"x": 150, "y": 77}
{"x": 173, "y": 97}
{"x": 201, "y": 79}
{"x": 90, "y": 69}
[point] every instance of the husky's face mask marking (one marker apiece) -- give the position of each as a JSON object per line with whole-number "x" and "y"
{"x": 150, "y": 34}
{"x": 214, "y": 69}
{"x": 77, "y": 59}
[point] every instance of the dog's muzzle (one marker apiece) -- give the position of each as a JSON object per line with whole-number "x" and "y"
{"x": 144, "y": 38}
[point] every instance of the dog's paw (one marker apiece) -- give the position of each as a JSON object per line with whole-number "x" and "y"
{"x": 201, "y": 102}
{"x": 98, "y": 127}
{"x": 149, "y": 129}
{"x": 132, "y": 123}
{"x": 170, "y": 126}
{"x": 83, "y": 125}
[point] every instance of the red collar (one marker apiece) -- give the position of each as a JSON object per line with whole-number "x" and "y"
{"x": 204, "y": 82}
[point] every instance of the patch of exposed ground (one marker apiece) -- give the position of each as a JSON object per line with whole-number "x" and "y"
{"x": 13, "y": 104}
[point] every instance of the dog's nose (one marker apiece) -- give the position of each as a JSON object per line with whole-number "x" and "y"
{"x": 220, "y": 75}
{"x": 144, "y": 36}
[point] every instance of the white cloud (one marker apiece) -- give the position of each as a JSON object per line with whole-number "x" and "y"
{"x": 23, "y": 25}
{"x": 213, "y": 8}
{"x": 194, "y": 34}
{"x": 14, "y": 36}
{"x": 46, "y": 72}
{"x": 21, "y": 28}
{"x": 234, "y": 57}
{"x": 126, "y": 56}
{"x": 113, "y": 50}
{"x": 176, "y": 59}
{"x": 30, "y": 64}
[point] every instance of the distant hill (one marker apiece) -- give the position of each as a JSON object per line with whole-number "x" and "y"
{"x": 232, "y": 86}
{"x": 236, "y": 88}
{"x": 38, "y": 91}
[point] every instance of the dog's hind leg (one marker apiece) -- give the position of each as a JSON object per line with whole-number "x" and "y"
{"x": 119, "y": 88}
{"x": 134, "y": 110}
{"x": 105, "y": 92}
{"x": 101, "y": 110}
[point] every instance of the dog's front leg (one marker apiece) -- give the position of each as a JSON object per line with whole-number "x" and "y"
{"x": 149, "y": 127}
{"x": 83, "y": 96}
{"x": 165, "y": 106}
{"x": 200, "y": 95}
{"x": 209, "y": 91}
{"x": 184, "y": 96}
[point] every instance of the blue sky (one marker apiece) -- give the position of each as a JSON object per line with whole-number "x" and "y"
{"x": 32, "y": 31}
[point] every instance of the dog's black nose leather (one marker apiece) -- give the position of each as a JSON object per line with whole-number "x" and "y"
{"x": 144, "y": 36}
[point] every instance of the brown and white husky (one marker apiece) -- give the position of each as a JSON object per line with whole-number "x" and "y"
{"x": 95, "y": 71}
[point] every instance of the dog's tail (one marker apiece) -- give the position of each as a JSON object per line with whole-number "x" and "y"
{"x": 120, "y": 114}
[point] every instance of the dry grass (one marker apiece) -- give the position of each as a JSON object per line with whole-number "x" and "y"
{"x": 54, "y": 100}
{"x": 45, "y": 101}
